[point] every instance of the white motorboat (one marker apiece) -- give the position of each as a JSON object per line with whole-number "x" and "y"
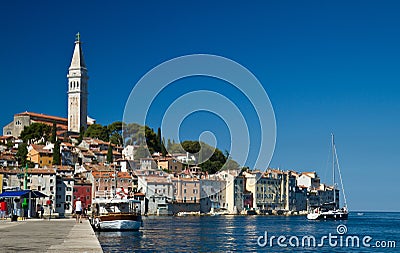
{"x": 116, "y": 214}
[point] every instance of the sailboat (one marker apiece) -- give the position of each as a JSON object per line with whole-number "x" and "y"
{"x": 330, "y": 211}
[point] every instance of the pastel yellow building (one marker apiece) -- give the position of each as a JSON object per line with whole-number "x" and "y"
{"x": 38, "y": 154}
{"x": 170, "y": 164}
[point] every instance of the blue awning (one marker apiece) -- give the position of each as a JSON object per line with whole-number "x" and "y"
{"x": 22, "y": 194}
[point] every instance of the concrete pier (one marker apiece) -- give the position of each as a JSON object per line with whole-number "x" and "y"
{"x": 57, "y": 235}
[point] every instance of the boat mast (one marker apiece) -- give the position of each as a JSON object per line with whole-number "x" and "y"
{"x": 115, "y": 181}
{"x": 341, "y": 181}
{"x": 333, "y": 170}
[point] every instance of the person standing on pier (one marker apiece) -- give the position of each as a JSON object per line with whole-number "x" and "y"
{"x": 78, "y": 210}
{"x": 3, "y": 209}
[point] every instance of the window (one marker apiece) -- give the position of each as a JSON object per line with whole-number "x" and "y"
{"x": 51, "y": 188}
{"x": 69, "y": 188}
{"x": 87, "y": 197}
{"x": 58, "y": 205}
{"x": 88, "y": 190}
{"x": 68, "y": 198}
{"x": 184, "y": 190}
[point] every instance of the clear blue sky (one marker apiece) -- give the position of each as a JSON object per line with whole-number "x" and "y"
{"x": 327, "y": 66}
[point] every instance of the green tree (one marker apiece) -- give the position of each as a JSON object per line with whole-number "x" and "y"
{"x": 230, "y": 164}
{"x": 169, "y": 144}
{"x": 53, "y": 133}
{"x": 56, "y": 154}
{"x": 81, "y": 133}
{"x": 158, "y": 147}
{"x": 141, "y": 152}
{"x": 22, "y": 153}
{"x": 110, "y": 154}
{"x": 97, "y": 131}
{"x": 151, "y": 139}
{"x": 163, "y": 149}
{"x": 35, "y": 132}
{"x": 115, "y": 132}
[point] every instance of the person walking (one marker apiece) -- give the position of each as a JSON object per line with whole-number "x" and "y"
{"x": 3, "y": 209}
{"x": 78, "y": 210}
{"x": 41, "y": 211}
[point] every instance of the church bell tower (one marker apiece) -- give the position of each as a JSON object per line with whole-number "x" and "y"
{"x": 77, "y": 90}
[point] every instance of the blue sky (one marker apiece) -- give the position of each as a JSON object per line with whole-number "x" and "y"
{"x": 327, "y": 66}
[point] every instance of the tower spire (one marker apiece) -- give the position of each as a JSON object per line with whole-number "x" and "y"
{"x": 77, "y": 61}
{"x": 77, "y": 89}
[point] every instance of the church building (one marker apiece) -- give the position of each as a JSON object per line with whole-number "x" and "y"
{"x": 77, "y": 102}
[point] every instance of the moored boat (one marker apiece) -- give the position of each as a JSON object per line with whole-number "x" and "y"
{"x": 116, "y": 214}
{"x": 331, "y": 211}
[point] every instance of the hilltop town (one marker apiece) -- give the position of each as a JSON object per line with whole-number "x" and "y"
{"x": 67, "y": 158}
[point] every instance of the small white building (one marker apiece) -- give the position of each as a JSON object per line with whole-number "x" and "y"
{"x": 158, "y": 191}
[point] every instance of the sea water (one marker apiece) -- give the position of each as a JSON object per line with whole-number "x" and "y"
{"x": 367, "y": 232}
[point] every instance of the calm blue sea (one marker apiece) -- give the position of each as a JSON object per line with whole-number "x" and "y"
{"x": 241, "y": 233}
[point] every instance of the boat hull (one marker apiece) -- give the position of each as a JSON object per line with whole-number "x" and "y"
{"x": 327, "y": 216}
{"x": 117, "y": 222}
{"x": 118, "y": 225}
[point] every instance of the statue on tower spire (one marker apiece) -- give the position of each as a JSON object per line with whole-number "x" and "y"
{"x": 78, "y": 37}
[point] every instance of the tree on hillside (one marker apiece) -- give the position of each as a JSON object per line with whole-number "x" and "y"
{"x": 151, "y": 140}
{"x": 35, "y": 132}
{"x": 56, "y": 154}
{"x": 53, "y": 133}
{"x": 141, "y": 152}
{"x": 230, "y": 164}
{"x": 163, "y": 149}
{"x": 81, "y": 133}
{"x": 97, "y": 131}
{"x": 169, "y": 144}
{"x": 211, "y": 159}
{"x": 159, "y": 140}
{"x": 132, "y": 133}
{"x": 110, "y": 154}
{"x": 22, "y": 153}
{"x": 115, "y": 132}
